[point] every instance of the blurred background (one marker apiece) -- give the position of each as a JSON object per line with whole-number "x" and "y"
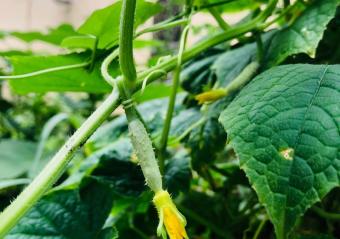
{"x": 40, "y": 15}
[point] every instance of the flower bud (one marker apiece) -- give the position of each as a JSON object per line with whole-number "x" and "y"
{"x": 169, "y": 216}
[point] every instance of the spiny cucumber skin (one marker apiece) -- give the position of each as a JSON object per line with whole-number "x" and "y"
{"x": 146, "y": 156}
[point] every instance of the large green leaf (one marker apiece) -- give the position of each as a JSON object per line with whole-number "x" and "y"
{"x": 53, "y": 36}
{"x": 80, "y": 41}
{"x": 16, "y": 157}
{"x": 104, "y": 23}
{"x": 284, "y": 126}
{"x": 67, "y": 213}
{"x": 77, "y": 79}
{"x": 304, "y": 34}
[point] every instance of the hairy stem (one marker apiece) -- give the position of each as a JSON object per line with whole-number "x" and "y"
{"x": 53, "y": 170}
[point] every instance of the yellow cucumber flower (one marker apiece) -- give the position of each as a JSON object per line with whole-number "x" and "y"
{"x": 169, "y": 216}
{"x": 210, "y": 96}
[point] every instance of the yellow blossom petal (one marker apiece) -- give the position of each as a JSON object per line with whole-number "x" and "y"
{"x": 173, "y": 220}
{"x": 173, "y": 225}
{"x": 210, "y": 96}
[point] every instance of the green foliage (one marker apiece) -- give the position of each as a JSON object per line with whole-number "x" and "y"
{"x": 250, "y": 164}
{"x": 80, "y": 79}
{"x": 178, "y": 173}
{"x": 304, "y": 34}
{"x": 104, "y": 23}
{"x": 284, "y": 128}
{"x": 84, "y": 208}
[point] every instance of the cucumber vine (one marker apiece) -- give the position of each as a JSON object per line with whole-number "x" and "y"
{"x": 128, "y": 84}
{"x": 243, "y": 116}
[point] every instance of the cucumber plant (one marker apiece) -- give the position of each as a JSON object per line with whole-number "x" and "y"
{"x": 236, "y": 136}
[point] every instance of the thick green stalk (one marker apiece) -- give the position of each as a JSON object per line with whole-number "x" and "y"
{"x": 126, "y": 29}
{"x": 53, "y": 170}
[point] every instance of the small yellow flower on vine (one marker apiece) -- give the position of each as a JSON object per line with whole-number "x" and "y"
{"x": 169, "y": 216}
{"x": 210, "y": 96}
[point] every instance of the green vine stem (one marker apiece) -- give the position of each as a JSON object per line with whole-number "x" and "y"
{"x": 260, "y": 228}
{"x": 171, "y": 106}
{"x": 218, "y": 18}
{"x": 126, "y": 29}
{"x": 53, "y": 170}
{"x": 162, "y": 26}
{"x": 53, "y": 69}
{"x": 104, "y": 68}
